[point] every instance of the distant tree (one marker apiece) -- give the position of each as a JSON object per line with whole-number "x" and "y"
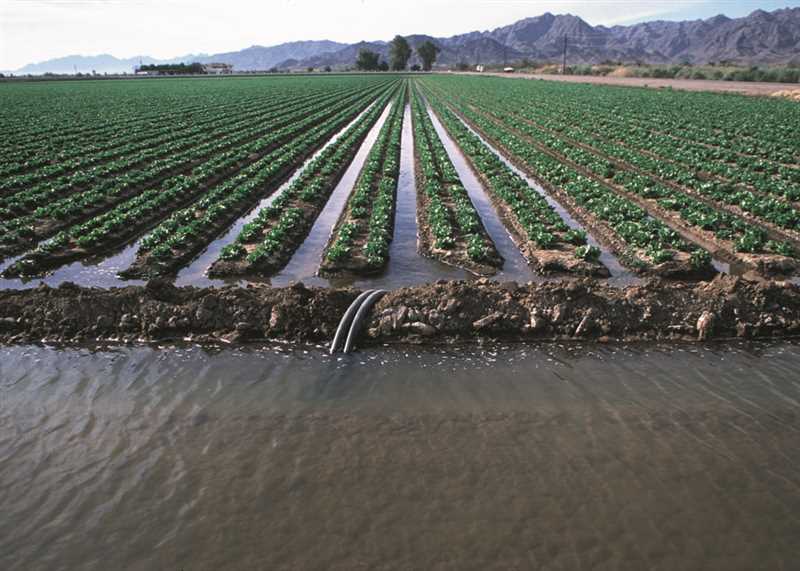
{"x": 273, "y": 70}
{"x": 309, "y": 69}
{"x": 415, "y": 67}
{"x": 367, "y": 60}
{"x": 383, "y": 66}
{"x": 399, "y": 53}
{"x": 173, "y": 69}
{"x": 462, "y": 66}
{"x": 427, "y": 53}
{"x": 328, "y": 68}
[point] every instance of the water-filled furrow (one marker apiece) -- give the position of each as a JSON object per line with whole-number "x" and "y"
{"x": 304, "y": 264}
{"x": 406, "y": 266}
{"x": 515, "y": 266}
{"x": 195, "y": 273}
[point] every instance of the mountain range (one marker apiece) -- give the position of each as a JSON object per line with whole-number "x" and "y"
{"x": 759, "y": 38}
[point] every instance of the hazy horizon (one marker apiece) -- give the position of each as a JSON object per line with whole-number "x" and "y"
{"x": 33, "y": 31}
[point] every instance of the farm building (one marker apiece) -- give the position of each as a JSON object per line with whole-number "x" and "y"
{"x": 217, "y": 68}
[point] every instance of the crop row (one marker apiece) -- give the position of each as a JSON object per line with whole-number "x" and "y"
{"x": 244, "y": 144}
{"x": 361, "y": 239}
{"x": 266, "y": 244}
{"x": 677, "y": 162}
{"x": 23, "y": 202}
{"x": 543, "y": 236}
{"x": 84, "y": 163}
{"x": 60, "y": 151}
{"x": 450, "y": 227}
{"x": 758, "y": 127}
{"x": 55, "y": 116}
{"x": 274, "y": 153}
{"x": 726, "y": 165}
{"x": 642, "y": 242}
{"x": 164, "y": 147}
{"x": 631, "y": 175}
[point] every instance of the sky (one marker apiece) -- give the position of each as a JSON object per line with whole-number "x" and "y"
{"x": 37, "y": 30}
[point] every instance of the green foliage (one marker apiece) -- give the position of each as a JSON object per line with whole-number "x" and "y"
{"x": 576, "y": 237}
{"x": 427, "y": 52}
{"x": 588, "y": 253}
{"x": 781, "y": 248}
{"x": 367, "y": 60}
{"x": 233, "y": 251}
{"x": 700, "y": 259}
{"x": 399, "y": 53}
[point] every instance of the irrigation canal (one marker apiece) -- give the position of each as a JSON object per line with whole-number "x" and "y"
{"x": 562, "y": 457}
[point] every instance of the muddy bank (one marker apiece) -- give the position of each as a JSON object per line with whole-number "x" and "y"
{"x": 446, "y": 311}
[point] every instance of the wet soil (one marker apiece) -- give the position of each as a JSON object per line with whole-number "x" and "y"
{"x": 726, "y": 307}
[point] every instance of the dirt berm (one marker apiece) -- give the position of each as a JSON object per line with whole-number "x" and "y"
{"x": 584, "y": 309}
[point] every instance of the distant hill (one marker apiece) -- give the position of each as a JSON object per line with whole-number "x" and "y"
{"x": 103, "y": 63}
{"x": 263, "y": 58}
{"x": 761, "y": 37}
{"x": 248, "y": 59}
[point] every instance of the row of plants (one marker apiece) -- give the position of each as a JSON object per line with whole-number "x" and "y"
{"x": 729, "y": 166}
{"x": 756, "y": 127}
{"x": 696, "y": 213}
{"x": 730, "y": 143}
{"x": 527, "y": 214}
{"x": 681, "y": 198}
{"x": 56, "y": 154}
{"x": 57, "y": 116}
{"x": 761, "y": 194}
{"x": 85, "y": 161}
{"x": 211, "y": 184}
{"x": 176, "y": 148}
{"x": 267, "y": 243}
{"x": 237, "y": 148}
{"x": 361, "y": 239}
{"x": 642, "y": 242}
{"x": 450, "y": 227}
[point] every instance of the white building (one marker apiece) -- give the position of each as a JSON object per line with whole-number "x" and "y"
{"x": 217, "y": 68}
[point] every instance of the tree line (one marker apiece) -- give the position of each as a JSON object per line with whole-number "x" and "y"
{"x": 399, "y": 54}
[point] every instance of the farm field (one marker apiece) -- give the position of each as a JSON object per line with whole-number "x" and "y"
{"x": 228, "y": 180}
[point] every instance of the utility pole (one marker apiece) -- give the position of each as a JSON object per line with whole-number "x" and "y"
{"x": 564, "y": 63}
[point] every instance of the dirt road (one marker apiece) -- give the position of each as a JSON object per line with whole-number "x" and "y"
{"x": 744, "y": 87}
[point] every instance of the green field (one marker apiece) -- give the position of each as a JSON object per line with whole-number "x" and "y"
{"x": 665, "y": 181}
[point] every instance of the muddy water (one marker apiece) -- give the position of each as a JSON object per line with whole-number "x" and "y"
{"x": 509, "y": 457}
{"x": 515, "y": 267}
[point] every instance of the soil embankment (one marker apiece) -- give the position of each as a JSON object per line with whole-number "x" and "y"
{"x": 446, "y": 311}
